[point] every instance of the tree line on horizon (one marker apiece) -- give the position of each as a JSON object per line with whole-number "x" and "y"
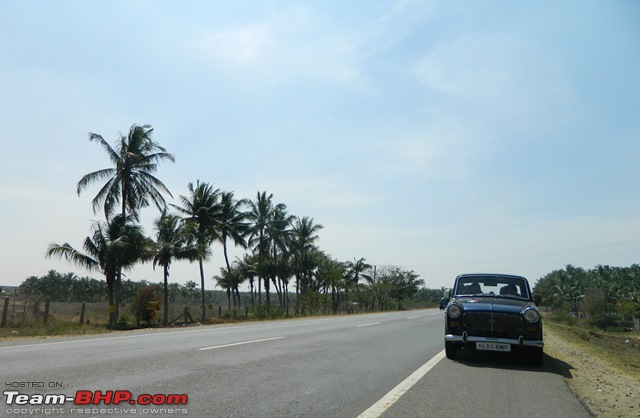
{"x": 281, "y": 248}
{"x": 69, "y": 287}
{"x": 602, "y": 290}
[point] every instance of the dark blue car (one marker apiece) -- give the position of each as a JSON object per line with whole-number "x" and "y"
{"x": 493, "y": 312}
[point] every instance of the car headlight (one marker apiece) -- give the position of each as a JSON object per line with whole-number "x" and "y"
{"x": 454, "y": 310}
{"x": 531, "y": 315}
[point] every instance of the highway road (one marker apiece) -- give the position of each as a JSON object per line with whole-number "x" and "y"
{"x": 385, "y": 364}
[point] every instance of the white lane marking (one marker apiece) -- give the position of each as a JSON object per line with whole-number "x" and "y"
{"x": 115, "y": 338}
{"x": 412, "y": 317}
{"x": 241, "y": 343}
{"x": 367, "y": 325}
{"x": 403, "y": 387}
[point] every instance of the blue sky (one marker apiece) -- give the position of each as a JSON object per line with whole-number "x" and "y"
{"x": 444, "y": 137}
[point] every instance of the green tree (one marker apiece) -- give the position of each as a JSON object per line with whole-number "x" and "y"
{"x": 226, "y": 281}
{"x": 355, "y": 270}
{"x": 130, "y": 182}
{"x": 232, "y": 225}
{"x": 172, "y": 243}
{"x": 259, "y": 215}
{"x": 304, "y": 250}
{"x": 140, "y": 304}
{"x": 405, "y": 285}
{"x": 280, "y": 238}
{"x": 201, "y": 209}
{"x": 115, "y": 245}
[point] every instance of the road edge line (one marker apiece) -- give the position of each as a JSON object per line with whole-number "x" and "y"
{"x": 378, "y": 408}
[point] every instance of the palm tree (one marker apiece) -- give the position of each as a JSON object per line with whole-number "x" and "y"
{"x": 226, "y": 281}
{"x": 260, "y": 214}
{"x": 201, "y": 209}
{"x": 172, "y": 243}
{"x": 280, "y": 236}
{"x": 355, "y": 270}
{"x": 231, "y": 224}
{"x": 304, "y": 238}
{"x": 130, "y": 182}
{"x": 115, "y": 245}
{"x": 247, "y": 270}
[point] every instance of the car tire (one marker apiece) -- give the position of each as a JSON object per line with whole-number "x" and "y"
{"x": 451, "y": 351}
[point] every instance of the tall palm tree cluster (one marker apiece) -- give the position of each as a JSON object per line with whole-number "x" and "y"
{"x": 600, "y": 290}
{"x": 281, "y": 247}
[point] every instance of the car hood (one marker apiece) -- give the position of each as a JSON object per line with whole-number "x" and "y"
{"x": 495, "y": 304}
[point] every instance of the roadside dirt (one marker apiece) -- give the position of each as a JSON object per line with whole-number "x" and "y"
{"x": 604, "y": 388}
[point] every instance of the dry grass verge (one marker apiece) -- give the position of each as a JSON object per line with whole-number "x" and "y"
{"x": 604, "y": 368}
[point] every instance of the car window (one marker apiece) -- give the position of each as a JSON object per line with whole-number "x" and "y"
{"x": 492, "y": 286}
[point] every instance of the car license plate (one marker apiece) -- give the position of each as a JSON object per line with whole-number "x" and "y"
{"x": 493, "y": 346}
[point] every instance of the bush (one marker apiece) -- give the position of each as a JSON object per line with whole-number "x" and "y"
{"x": 123, "y": 323}
{"x": 594, "y": 302}
{"x": 627, "y": 309}
{"x": 269, "y": 312}
{"x": 140, "y": 303}
{"x": 604, "y": 321}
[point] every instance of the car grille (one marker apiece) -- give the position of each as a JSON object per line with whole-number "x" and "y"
{"x": 496, "y": 322}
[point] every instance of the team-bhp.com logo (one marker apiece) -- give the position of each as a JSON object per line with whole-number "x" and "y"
{"x": 84, "y": 399}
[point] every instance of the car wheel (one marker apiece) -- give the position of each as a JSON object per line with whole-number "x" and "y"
{"x": 536, "y": 356}
{"x": 450, "y": 350}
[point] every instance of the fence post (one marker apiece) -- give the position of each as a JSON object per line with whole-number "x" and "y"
{"x": 5, "y": 312}
{"x": 84, "y": 306}
{"x": 46, "y": 310}
{"x": 219, "y": 311}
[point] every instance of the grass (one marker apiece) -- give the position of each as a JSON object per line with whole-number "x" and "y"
{"x": 26, "y": 319}
{"x": 52, "y": 328}
{"x": 620, "y": 348}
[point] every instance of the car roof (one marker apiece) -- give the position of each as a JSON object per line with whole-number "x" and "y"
{"x": 489, "y": 274}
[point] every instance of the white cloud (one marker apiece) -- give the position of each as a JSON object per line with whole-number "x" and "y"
{"x": 501, "y": 75}
{"x": 249, "y": 45}
{"x": 296, "y": 43}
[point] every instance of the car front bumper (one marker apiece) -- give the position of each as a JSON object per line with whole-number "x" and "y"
{"x": 464, "y": 339}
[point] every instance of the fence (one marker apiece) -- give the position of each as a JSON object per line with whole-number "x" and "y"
{"x": 17, "y": 311}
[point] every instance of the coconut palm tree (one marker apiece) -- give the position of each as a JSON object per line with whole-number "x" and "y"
{"x": 201, "y": 209}
{"x": 247, "y": 268}
{"x": 303, "y": 246}
{"x": 231, "y": 224}
{"x": 226, "y": 281}
{"x": 129, "y": 182}
{"x": 172, "y": 243}
{"x": 355, "y": 270}
{"x": 280, "y": 235}
{"x": 260, "y": 214}
{"x": 116, "y": 244}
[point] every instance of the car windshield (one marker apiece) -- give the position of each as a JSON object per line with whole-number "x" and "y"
{"x": 512, "y": 287}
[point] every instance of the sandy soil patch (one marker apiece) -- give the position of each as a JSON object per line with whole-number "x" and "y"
{"x": 604, "y": 388}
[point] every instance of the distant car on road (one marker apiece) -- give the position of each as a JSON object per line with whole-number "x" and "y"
{"x": 493, "y": 312}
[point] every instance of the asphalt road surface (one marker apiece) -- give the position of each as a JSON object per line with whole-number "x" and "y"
{"x": 386, "y": 364}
